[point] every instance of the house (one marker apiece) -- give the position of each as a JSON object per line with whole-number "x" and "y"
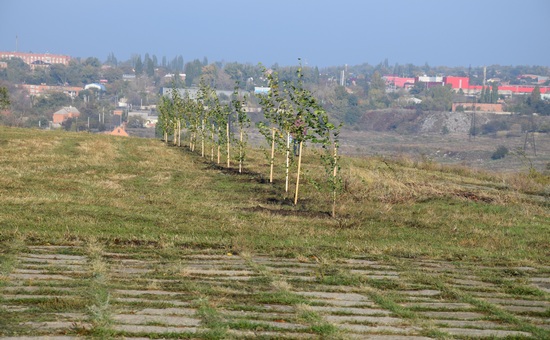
{"x": 99, "y": 87}
{"x": 119, "y": 131}
{"x": 65, "y": 113}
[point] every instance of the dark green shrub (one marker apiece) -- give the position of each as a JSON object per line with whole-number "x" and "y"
{"x": 500, "y": 152}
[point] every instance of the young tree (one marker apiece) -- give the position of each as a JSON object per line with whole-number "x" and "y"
{"x": 295, "y": 112}
{"x": 165, "y": 108}
{"x": 312, "y": 124}
{"x": 281, "y": 116}
{"x": 243, "y": 121}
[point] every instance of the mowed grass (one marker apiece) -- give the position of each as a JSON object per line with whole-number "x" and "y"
{"x": 57, "y": 187}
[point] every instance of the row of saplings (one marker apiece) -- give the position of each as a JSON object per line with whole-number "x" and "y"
{"x": 292, "y": 116}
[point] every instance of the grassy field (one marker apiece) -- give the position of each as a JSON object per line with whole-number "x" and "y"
{"x": 58, "y": 186}
{"x": 456, "y": 149}
{"x": 136, "y": 215}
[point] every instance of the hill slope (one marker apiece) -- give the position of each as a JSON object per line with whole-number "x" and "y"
{"x": 59, "y": 186}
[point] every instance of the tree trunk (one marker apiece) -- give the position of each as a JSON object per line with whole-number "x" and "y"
{"x": 298, "y": 174}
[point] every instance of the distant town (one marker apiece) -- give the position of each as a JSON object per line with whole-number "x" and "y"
{"x": 58, "y": 91}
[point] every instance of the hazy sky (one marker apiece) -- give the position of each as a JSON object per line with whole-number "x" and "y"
{"x": 321, "y": 32}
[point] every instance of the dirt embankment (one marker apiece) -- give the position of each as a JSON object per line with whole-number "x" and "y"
{"x": 413, "y": 122}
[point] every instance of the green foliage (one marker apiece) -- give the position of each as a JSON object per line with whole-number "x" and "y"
{"x": 437, "y": 98}
{"x": 166, "y": 115}
{"x": 243, "y": 121}
{"x": 500, "y": 152}
{"x": 138, "y": 66}
{"x": 4, "y": 98}
{"x": 293, "y": 111}
{"x": 193, "y": 72}
{"x": 377, "y": 97}
{"x": 494, "y": 126}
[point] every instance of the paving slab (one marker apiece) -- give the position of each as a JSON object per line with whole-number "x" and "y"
{"x": 14, "y": 308}
{"x": 57, "y": 267}
{"x": 135, "y": 319}
{"x": 41, "y": 337}
{"x": 51, "y": 325}
{"x": 439, "y": 305}
{"x": 145, "y": 301}
{"x": 34, "y": 297}
{"x": 519, "y": 302}
{"x": 453, "y": 315}
{"x": 375, "y": 320}
{"x": 52, "y": 247}
{"x": 153, "y": 329}
{"x": 259, "y": 315}
{"x": 374, "y": 272}
{"x": 344, "y": 303}
{"x": 291, "y": 270}
{"x": 542, "y": 283}
{"x": 221, "y": 278}
{"x": 350, "y": 310}
{"x": 278, "y": 308}
{"x": 135, "y": 292}
{"x": 46, "y": 271}
{"x": 471, "y": 283}
{"x": 268, "y": 334}
{"x": 480, "y": 324}
{"x": 334, "y": 296}
{"x": 280, "y": 325}
{"x": 484, "y": 332}
{"x": 39, "y": 276}
{"x": 396, "y": 337}
{"x": 30, "y": 289}
{"x": 423, "y": 292}
{"x": 378, "y": 329}
{"x": 488, "y": 294}
{"x": 218, "y": 272}
{"x": 130, "y": 270}
{"x": 524, "y": 309}
{"x": 166, "y": 311}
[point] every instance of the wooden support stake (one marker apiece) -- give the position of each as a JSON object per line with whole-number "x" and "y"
{"x": 287, "y": 160}
{"x": 241, "y": 153}
{"x": 298, "y": 175}
{"x": 272, "y": 155}
{"x": 228, "y": 145}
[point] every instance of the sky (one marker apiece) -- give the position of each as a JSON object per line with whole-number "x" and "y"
{"x": 321, "y": 32}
